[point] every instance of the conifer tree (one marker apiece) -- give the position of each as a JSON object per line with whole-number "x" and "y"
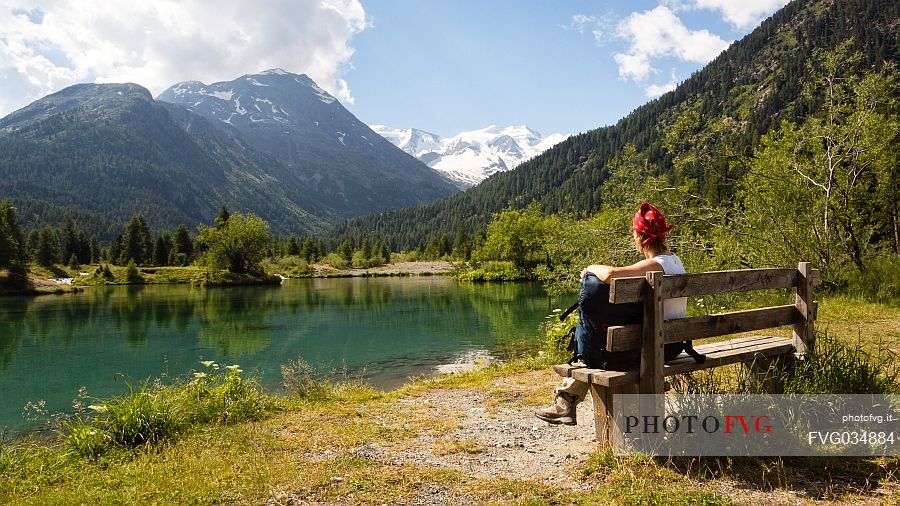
{"x": 48, "y": 247}
{"x": 293, "y": 248}
{"x": 183, "y": 244}
{"x": 222, "y": 217}
{"x": 68, "y": 239}
{"x": 308, "y": 250}
{"x": 94, "y": 247}
{"x": 34, "y": 237}
{"x": 82, "y": 247}
{"x": 13, "y": 250}
{"x": 137, "y": 243}
{"x": 115, "y": 250}
{"x": 346, "y": 250}
{"x": 162, "y": 249}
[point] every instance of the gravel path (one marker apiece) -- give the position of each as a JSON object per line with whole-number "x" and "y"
{"x": 495, "y": 438}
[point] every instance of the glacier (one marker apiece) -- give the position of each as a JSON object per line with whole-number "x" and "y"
{"x": 470, "y": 157}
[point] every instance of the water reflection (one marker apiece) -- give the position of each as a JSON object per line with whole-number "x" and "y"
{"x": 392, "y": 327}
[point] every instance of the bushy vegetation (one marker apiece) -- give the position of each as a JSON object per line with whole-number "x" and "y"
{"x": 287, "y": 266}
{"x": 154, "y": 412}
{"x": 837, "y": 367}
{"x": 494, "y": 271}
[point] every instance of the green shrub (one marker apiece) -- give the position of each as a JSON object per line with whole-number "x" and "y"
{"x": 290, "y": 266}
{"x": 132, "y": 274}
{"x": 494, "y": 271}
{"x": 155, "y": 412}
{"x": 335, "y": 260}
{"x": 221, "y": 395}
{"x": 360, "y": 261}
{"x": 141, "y": 417}
{"x": 557, "y": 335}
{"x": 88, "y": 441}
{"x": 299, "y": 379}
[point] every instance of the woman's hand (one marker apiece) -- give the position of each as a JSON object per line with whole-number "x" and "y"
{"x": 603, "y": 272}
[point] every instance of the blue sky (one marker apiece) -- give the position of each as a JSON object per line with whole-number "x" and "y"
{"x": 444, "y": 67}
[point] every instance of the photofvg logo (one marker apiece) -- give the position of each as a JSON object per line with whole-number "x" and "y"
{"x": 745, "y": 425}
{"x": 693, "y": 424}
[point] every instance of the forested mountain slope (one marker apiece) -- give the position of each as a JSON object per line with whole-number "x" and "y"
{"x": 708, "y": 124}
{"x": 103, "y": 152}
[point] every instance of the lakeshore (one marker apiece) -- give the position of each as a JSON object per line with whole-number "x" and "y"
{"x": 61, "y": 279}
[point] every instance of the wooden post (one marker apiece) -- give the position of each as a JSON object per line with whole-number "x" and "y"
{"x": 767, "y": 374}
{"x": 602, "y": 413}
{"x": 804, "y": 328}
{"x": 609, "y": 432}
{"x": 652, "y": 343}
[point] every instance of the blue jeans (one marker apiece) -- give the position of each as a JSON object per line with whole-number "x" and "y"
{"x": 595, "y": 315}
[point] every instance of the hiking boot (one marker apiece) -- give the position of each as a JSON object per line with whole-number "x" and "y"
{"x": 561, "y": 412}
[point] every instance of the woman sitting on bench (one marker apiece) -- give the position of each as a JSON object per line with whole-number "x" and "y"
{"x": 595, "y": 313}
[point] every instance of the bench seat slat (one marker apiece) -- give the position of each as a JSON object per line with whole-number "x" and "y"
{"x": 717, "y": 354}
{"x": 565, "y": 370}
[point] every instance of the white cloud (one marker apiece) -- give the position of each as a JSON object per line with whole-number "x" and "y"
{"x": 600, "y": 27}
{"x": 580, "y": 21}
{"x": 655, "y": 90}
{"x": 659, "y": 33}
{"x": 742, "y": 14}
{"x": 157, "y": 43}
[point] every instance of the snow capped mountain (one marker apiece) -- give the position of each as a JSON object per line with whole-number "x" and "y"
{"x": 289, "y": 117}
{"x": 469, "y": 157}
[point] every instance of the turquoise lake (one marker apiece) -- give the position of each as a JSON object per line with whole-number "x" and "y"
{"x": 385, "y": 329}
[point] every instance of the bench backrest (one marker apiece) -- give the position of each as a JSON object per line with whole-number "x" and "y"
{"x": 655, "y": 332}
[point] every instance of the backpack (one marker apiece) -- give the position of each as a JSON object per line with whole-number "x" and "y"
{"x": 595, "y": 315}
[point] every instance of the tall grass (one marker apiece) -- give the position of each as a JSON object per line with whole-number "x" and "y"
{"x": 880, "y": 282}
{"x": 154, "y": 412}
{"x": 833, "y": 367}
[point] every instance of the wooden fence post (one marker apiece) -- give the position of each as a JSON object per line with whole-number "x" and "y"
{"x": 652, "y": 343}
{"x": 804, "y": 327}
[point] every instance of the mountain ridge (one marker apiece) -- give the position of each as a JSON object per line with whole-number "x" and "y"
{"x": 288, "y": 116}
{"x": 97, "y": 150}
{"x": 176, "y": 165}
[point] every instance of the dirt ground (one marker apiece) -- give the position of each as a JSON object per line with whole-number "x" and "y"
{"x": 497, "y": 435}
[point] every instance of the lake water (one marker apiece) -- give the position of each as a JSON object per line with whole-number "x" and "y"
{"x": 392, "y": 328}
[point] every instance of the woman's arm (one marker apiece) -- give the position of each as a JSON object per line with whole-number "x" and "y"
{"x": 606, "y": 273}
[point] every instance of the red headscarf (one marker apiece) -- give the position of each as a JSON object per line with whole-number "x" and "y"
{"x": 650, "y": 221}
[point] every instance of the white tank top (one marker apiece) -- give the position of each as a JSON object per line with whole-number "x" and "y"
{"x": 673, "y": 309}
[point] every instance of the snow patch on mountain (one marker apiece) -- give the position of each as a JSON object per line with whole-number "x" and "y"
{"x": 323, "y": 95}
{"x": 468, "y": 158}
{"x": 221, "y": 95}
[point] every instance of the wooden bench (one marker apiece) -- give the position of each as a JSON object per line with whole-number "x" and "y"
{"x": 650, "y": 336}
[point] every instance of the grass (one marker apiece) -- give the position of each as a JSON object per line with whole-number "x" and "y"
{"x": 209, "y": 439}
